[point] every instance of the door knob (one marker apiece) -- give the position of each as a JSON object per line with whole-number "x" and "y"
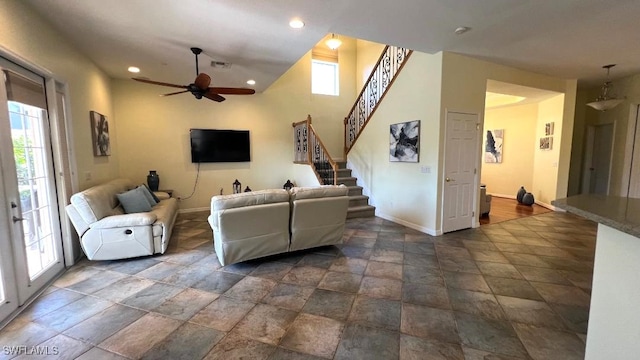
{"x": 16, "y": 219}
{"x": 448, "y": 179}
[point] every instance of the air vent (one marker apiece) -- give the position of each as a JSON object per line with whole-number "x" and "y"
{"x": 220, "y": 64}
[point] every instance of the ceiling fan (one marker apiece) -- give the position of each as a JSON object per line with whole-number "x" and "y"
{"x": 200, "y": 86}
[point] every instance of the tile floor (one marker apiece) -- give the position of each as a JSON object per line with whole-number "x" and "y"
{"x": 514, "y": 290}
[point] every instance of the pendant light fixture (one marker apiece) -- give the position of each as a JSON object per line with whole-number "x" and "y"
{"x": 606, "y": 101}
{"x": 333, "y": 43}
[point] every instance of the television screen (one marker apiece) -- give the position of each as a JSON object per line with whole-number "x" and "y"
{"x": 210, "y": 145}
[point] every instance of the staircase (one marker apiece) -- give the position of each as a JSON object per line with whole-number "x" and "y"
{"x": 358, "y": 203}
{"x": 309, "y": 149}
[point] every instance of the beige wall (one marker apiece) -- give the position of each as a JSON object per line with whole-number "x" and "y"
{"x": 400, "y": 191}
{"x": 367, "y": 56}
{"x": 620, "y": 116}
{"x": 546, "y": 162}
{"x": 463, "y": 89}
{"x": 153, "y": 132}
{"x": 25, "y": 34}
{"x": 519, "y": 123}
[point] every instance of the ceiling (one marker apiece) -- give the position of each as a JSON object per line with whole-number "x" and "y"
{"x": 570, "y": 39}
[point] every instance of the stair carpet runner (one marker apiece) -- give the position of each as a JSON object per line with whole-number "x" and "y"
{"x": 358, "y": 203}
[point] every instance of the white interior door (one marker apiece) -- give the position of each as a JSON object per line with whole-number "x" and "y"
{"x": 460, "y": 174}
{"x": 32, "y": 230}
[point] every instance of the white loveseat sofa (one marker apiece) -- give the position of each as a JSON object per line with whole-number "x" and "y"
{"x": 107, "y": 233}
{"x": 267, "y": 222}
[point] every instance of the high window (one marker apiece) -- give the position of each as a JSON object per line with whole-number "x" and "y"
{"x": 325, "y": 72}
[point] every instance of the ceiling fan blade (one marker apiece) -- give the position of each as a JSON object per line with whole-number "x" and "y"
{"x": 232, "y": 91}
{"x": 202, "y": 81}
{"x": 211, "y": 95}
{"x": 175, "y": 93}
{"x": 160, "y": 83}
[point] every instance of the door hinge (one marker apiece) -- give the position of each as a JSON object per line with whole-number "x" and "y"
{"x": 478, "y": 126}
{"x": 473, "y": 214}
{"x": 475, "y": 171}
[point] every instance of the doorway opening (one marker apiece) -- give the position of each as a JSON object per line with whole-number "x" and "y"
{"x": 521, "y": 145}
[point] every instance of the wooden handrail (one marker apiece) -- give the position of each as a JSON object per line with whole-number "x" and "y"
{"x": 324, "y": 148}
{"x": 308, "y": 119}
{"x": 310, "y": 142}
{"x": 363, "y": 109}
{"x": 373, "y": 71}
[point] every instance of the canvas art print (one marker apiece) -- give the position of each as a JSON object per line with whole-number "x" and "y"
{"x": 548, "y": 129}
{"x": 546, "y": 143}
{"x": 493, "y": 146}
{"x": 100, "y": 134}
{"x": 404, "y": 141}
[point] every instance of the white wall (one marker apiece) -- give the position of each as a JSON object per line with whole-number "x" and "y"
{"x": 519, "y": 123}
{"x": 27, "y": 35}
{"x": 153, "y": 132}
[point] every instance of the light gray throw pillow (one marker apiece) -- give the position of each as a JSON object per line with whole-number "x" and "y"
{"x": 134, "y": 201}
{"x": 147, "y": 195}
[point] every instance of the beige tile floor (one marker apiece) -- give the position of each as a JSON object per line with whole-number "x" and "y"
{"x": 514, "y": 290}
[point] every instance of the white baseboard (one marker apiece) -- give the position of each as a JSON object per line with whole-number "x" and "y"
{"x": 413, "y": 226}
{"x": 185, "y": 211}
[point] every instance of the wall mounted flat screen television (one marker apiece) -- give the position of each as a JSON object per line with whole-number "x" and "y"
{"x": 212, "y": 145}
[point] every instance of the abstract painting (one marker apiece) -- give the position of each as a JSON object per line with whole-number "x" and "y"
{"x": 404, "y": 141}
{"x": 548, "y": 129}
{"x": 546, "y": 143}
{"x": 100, "y": 134}
{"x": 493, "y": 146}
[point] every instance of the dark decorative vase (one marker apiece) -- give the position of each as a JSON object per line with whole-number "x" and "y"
{"x": 153, "y": 180}
{"x": 520, "y": 194}
{"x": 528, "y": 199}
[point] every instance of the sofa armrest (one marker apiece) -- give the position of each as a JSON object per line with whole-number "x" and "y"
{"x": 137, "y": 219}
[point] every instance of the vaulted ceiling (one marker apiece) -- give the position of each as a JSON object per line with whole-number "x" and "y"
{"x": 562, "y": 38}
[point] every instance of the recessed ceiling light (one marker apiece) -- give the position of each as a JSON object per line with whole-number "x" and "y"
{"x": 296, "y": 23}
{"x": 461, "y": 30}
{"x": 133, "y": 69}
{"x": 251, "y": 82}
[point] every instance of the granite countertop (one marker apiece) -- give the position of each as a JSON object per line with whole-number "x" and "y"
{"x": 620, "y": 213}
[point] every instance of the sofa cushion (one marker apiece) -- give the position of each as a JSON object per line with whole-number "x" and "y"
{"x": 153, "y": 199}
{"x": 324, "y": 191}
{"x": 134, "y": 201}
{"x": 222, "y": 202}
{"x": 99, "y": 201}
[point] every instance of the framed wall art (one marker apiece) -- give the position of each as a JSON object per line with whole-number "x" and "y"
{"x": 546, "y": 143}
{"x": 100, "y": 134}
{"x": 493, "y": 146}
{"x": 404, "y": 141}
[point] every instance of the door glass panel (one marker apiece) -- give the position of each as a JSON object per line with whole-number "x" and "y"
{"x": 2, "y": 297}
{"x": 31, "y": 159}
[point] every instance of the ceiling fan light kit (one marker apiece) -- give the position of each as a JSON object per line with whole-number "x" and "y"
{"x": 200, "y": 87}
{"x": 606, "y": 101}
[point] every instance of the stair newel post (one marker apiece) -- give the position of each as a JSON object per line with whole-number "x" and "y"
{"x": 346, "y": 133}
{"x": 309, "y": 149}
